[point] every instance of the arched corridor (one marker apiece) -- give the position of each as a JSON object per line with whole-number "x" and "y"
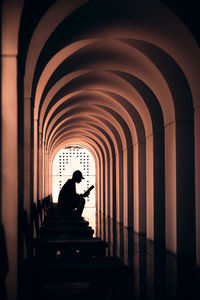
{"x": 120, "y": 78}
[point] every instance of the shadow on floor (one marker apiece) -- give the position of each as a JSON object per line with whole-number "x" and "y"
{"x": 156, "y": 273}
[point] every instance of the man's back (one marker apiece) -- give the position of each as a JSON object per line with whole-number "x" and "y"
{"x": 68, "y": 199}
{"x": 67, "y": 195}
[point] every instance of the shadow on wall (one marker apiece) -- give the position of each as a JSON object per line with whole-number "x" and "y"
{"x": 3, "y": 264}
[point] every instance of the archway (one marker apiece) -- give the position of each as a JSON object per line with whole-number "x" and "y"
{"x": 68, "y": 159}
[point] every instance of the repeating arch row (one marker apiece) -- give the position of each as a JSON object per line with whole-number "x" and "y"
{"x": 124, "y": 84}
{"x": 138, "y": 74}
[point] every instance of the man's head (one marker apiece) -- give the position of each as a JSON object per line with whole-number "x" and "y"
{"x": 77, "y": 176}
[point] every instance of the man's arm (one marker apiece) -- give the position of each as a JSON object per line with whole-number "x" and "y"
{"x": 88, "y": 191}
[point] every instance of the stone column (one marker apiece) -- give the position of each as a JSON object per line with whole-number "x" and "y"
{"x": 128, "y": 177}
{"x": 40, "y": 165}
{"x": 98, "y": 203}
{"x": 136, "y": 209}
{"x": 109, "y": 182}
{"x": 102, "y": 183}
{"x": 9, "y": 166}
{"x": 185, "y": 187}
{"x": 10, "y": 20}
{"x": 155, "y": 204}
{"x": 43, "y": 170}
{"x": 46, "y": 174}
{"x": 119, "y": 187}
{"x": 170, "y": 188}
{"x": 142, "y": 186}
{"x": 139, "y": 187}
{"x": 149, "y": 188}
{"x": 106, "y": 187}
{"x": 197, "y": 180}
{"x": 27, "y": 152}
{"x": 179, "y": 178}
{"x": 35, "y": 163}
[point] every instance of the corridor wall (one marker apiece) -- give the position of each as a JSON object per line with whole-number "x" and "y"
{"x": 122, "y": 80}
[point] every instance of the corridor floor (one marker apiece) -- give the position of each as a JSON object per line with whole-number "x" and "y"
{"x": 156, "y": 273}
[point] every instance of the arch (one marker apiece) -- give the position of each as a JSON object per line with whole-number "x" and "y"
{"x": 150, "y": 49}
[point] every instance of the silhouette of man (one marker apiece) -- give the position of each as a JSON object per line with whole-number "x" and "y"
{"x": 68, "y": 199}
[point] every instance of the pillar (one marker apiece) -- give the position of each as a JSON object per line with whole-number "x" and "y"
{"x": 139, "y": 183}
{"x": 170, "y": 188}
{"x": 35, "y": 163}
{"x": 27, "y": 152}
{"x": 113, "y": 187}
{"x": 102, "y": 183}
{"x": 107, "y": 186}
{"x": 43, "y": 170}
{"x": 46, "y": 174}
{"x": 159, "y": 188}
{"x": 185, "y": 187}
{"x": 9, "y": 163}
{"x": 197, "y": 180}
{"x": 119, "y": 187}
{"x": 155, "y": 204}
{"x": 149, "y": 188}
{"x": 179, "y": 188}
{"x": 142, "y": 186}
{"x": 136, "y": 207}
{"x": 10, "y": 20}
{"x": 128, "y": 178}
{"x": 40, "y": 165}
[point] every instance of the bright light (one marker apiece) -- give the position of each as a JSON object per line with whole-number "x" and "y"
{"x": 68, "y": 160}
